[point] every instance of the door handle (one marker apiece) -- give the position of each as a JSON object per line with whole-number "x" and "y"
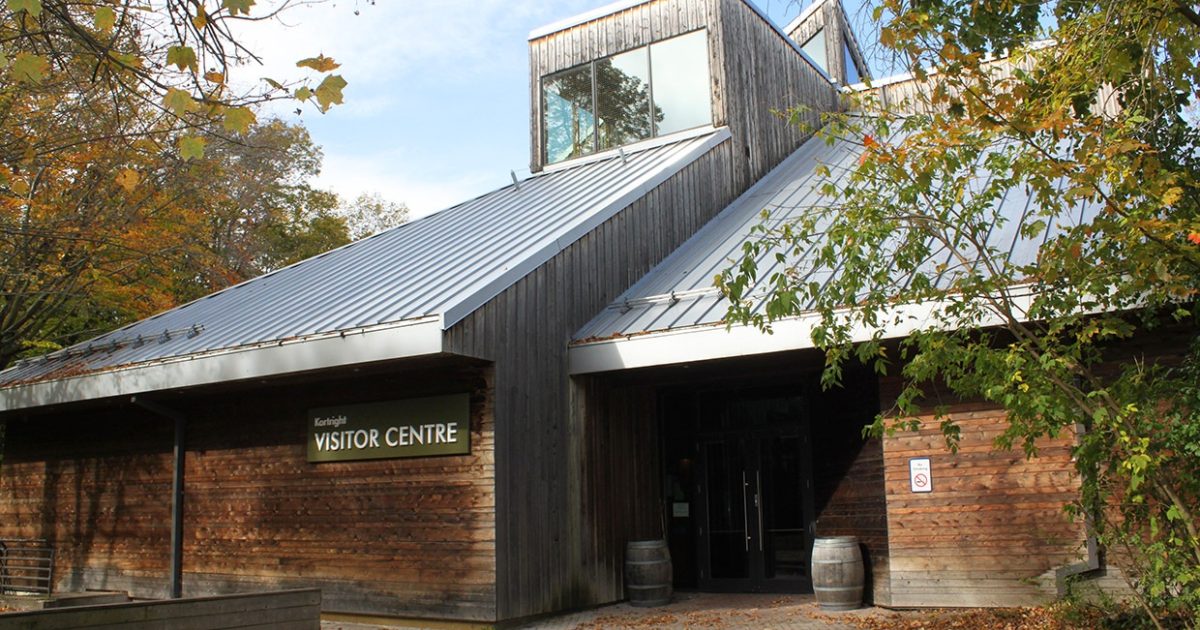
{"x": 758, "y": 505}
{"x": 745, "y": 512}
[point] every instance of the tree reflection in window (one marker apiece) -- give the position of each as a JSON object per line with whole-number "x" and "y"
{"x": 569, "y": 115}
{"x": 628, "y": 108}
{"x": 623, "y": 99}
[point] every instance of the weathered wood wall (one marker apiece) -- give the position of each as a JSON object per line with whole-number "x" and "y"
{"x": 617, "y": 484}
{"x": 831, "y": 17}
{"x": 754, "y": 71}
{"x": 407, "y": 537}
{"x": 293, "y": 609}
{"x": 993, "y": 530}
{"x": 525, "y": 330}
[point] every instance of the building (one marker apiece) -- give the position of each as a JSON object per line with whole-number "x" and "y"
{"x": 467, "y": 417}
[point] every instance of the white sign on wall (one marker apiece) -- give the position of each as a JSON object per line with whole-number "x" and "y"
{"x": 920, "y": 474}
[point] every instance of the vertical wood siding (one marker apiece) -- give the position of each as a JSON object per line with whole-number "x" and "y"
{"x": 764, "y": 75}
{"x": 406, "y": 537}
{"x": 993, "y": 530}
{"x": 539, "y": 446}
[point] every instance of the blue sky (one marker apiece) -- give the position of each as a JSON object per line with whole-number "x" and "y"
{"x": 437, "y": 106}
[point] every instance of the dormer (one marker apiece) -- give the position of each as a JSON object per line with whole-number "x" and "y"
{"x": 641, "y": 71}
{"x": 823, "y": 31}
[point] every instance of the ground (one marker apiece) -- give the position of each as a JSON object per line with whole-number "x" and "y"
{"x": 711, "y": 611}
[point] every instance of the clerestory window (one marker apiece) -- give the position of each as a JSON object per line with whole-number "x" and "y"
{"x": 638, "y": 94}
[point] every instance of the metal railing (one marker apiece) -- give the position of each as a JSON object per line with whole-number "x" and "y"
{"x": 26, "y": 567}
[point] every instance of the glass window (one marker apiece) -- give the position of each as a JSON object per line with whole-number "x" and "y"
{"x": 569, "y": 115}
{"x": 852, "y": 74}
{"x": 623, "y": 98}
{"x": 638, "y": 94}
{"x": 681, "y": 83}
{"x": 815, "y": 49}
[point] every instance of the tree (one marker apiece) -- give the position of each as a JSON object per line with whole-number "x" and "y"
{"x": 370, "y": 213}
{"x": 1102, "y": 119}
{"x": 106, "y": 198}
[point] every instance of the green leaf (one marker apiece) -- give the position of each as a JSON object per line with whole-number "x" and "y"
{"x": 238, "y": 119}
{"x": 32, "y": 7}
{"x": 105, "y": 18}
{"x": 30, "y": 68}
{"x": 238, "y": 6}
{"x": 273, "y": 83}
{"x": 182, "y": 57}
{"x": 320, "y": 63}
{"x": 191, "y": 147}
{"x": 303, "y": 94}
{"x": 329, "y": 93}
{"x": 179, "y": 101}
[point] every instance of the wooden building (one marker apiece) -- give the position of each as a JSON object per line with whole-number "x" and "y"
{"x": 468, "y": 416}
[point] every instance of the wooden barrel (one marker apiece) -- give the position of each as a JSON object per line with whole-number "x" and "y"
{"x": 837, "y": 572}
{"x": 648, "y": 572}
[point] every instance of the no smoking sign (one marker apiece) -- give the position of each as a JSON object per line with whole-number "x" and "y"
{"x": 920, "y": 475}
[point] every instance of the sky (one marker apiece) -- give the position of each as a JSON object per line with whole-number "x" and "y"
{"x": 437, "y": 103}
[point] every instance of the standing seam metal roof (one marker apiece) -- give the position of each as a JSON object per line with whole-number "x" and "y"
{"x": 679, "y": 292}
{"x": 446, "y": 264}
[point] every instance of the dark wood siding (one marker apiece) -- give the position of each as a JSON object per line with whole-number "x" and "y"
{"x": 539, "y": 445}
{"x": 406, "y": 537}
{"x": 763, "y": 75}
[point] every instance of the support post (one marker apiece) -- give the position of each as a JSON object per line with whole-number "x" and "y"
{"x": 178, "y": 453}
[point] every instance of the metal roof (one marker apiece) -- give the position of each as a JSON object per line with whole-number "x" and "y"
{"x": 440, "y": 267}
{"x": 679, "y": 293}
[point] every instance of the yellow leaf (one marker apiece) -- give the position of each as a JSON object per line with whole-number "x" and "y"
{"x": 329, "y": 92}
{"x": 30, "y": 68}
{"x": 182, "y": 57}
{"x": 319, "y": 63}
{"x": 238, "y": 119}
{"x": 1171, "y": 196}
{"x": 105, "y": 18}
{"x": 128, "y": 179}
{"x": 178, "y": 101}
{"x": 191, "y": 147}
{"x": 214, "y": 76}
{"x": 200, "y": 21}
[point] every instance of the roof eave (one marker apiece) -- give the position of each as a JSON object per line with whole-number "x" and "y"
{"x": 717, "y": 341}
{"x": 406, "y": 339}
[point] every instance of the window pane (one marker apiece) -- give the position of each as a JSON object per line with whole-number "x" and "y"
{"x": 852, "y": 74}
{"x": 815, "y": 49}
{"x": 569, "y": 121}
{"x": 682, "y": 97}
{"x": 623, "y": 98}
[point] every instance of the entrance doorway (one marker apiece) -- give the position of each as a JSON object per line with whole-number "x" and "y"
{"x": 750, "y": 524}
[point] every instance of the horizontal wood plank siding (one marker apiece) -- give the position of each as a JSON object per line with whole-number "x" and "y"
{"x": 993, "y": 530}
{"x": 408, "y": 537}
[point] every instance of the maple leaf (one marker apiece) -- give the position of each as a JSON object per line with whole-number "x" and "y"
{"x": 320, "y": 63}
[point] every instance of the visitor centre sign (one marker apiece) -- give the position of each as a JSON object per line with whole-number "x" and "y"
{"x": 415, "y": 427}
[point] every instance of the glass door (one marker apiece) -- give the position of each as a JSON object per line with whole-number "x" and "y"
{"x": 754, "y": 534}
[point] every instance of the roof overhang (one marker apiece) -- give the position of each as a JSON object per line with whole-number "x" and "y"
{"x": 405, "y": 339}
{"x": 718, "y": 341}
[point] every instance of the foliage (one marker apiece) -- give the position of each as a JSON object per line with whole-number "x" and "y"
{"x": 1099, "y": 133}
{"x": 133, "y": 173}
{"x": 178, "y": 57}
{"x": 370, "y": 213}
